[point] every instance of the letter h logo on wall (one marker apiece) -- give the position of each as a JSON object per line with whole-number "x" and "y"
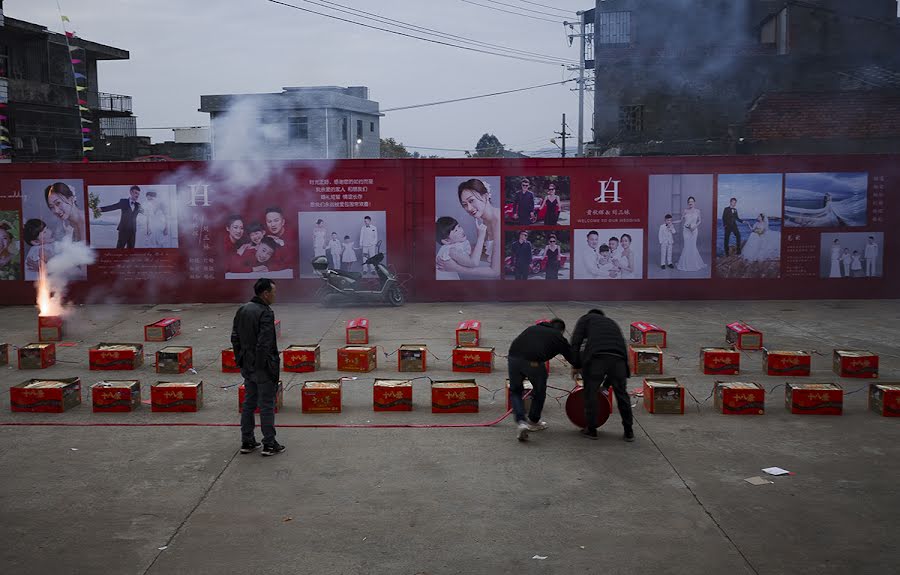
{"x": 199, "y": 193}
{"x": 609, "y": 192}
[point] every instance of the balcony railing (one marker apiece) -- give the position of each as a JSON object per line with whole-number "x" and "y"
{"x": 110, "y": 102}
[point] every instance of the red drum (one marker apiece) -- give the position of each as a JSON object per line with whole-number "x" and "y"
{"x": 575, "y": 406}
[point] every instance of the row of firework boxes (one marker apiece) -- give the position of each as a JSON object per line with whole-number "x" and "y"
{"x": 738, "y": 333}
{"x": 52, "y": 327}
{"x": 105, "y": 357}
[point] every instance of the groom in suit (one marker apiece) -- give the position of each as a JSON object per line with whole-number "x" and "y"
{"x": 130, "y": 208}
{"x": 730, "y": 220}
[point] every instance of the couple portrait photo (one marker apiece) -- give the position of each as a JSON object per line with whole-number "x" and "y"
{"x": 536, "y": 200}
{"x": 851, "y": 255}
{"x": 258, "y": 244}
{"x": 825, "y": 200}
{"x": 467, "y": 228}
{"x": 749, "y": 227}
{"x": 679, "y": 238}
{"x": 346, "y": 238}
{"x": 133, "y": 217}
{"x": 53, "y": 213}
{"x": 608, "y": 254}
{"x": 537, "y": 255}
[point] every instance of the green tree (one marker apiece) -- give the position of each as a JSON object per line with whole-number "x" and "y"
{"x": 391, "y": 148}
{"x": 490, "y": 146}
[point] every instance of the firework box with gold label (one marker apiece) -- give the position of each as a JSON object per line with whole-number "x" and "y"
{"x": 473, "y": 359}
{"x": 855, "y": 363}
{"x": 786, "y": 363}
{"x": 116, "y": 396}
{"x": 45, "y": 395}
{"x": 357, "y": 358}
{"x": 645, "y": 333}
{"x": 182, "y": 396}
{"x": 392, "y": 395}
{"x": 279, "y": 398}
{"x": 162, "y": 330}
{"x": 664, "y": 395}
{"x": 412, "y": 357}
{"x": 229, "y": 363}
{"x": 742, "y": 336}
{"x": 884, "y": 399}
{"x": 739, "y": 398}
{"x": 4, "y": 354}
{"x": 814, "y": 398}
{"x": 358, "y": 331}
{"x": 301, "y": 358}
{"x": 37, "y": 356}
{"x": 50, "y": 328}
{"x": 720, "y": 361}
{"x": 645, "y": 359}
{"x": 454, "y": 396}
{"x": 526, "y": 396}
{"x": 115, "y": 356}
{"x": 468, "y": 333}
{"x": 174, "y": 359}
{"x": 321, "y": 396}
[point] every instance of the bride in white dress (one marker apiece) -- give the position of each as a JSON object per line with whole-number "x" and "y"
{"x": 835, "y": 271}
{"x": 157, "y": 222}
{"x": 690, "y": 259}
{"x": 763, "y": 244}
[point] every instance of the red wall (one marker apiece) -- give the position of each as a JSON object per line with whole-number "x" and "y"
{"x": 405, "y": 192}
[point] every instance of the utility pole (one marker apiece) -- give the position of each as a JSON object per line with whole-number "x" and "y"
{"x": 563, "y": 135}
{"x": 582, "y": 35}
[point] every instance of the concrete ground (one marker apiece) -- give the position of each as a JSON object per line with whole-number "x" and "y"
{"x": 161, "y": 500}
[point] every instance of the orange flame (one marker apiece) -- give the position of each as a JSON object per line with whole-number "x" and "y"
{"x": 47, "y": 304}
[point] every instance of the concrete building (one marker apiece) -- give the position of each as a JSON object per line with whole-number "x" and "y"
{"x": 745, "y": 76}
{"x": 37, "y": 85}
{"x": 315, "y": 122}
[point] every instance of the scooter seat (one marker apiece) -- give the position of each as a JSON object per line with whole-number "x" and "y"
{"x": 351, "y": 275}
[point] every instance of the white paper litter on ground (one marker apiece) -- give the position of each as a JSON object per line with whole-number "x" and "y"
{"x": 540, "y": 557}
{"x": 758, "y": 481}
{"x": 776, "y": 471}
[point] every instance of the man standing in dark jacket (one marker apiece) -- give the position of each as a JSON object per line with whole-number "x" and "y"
{"x": 524, "y": 203}
{"x": 603, "y": 361}
{"x": 521, "y": 256}
{"x": 129, "y": 209}
{"x": 256, "y": 352}
{"x": 528, "y": 355}
{"x": 730, "y": 220}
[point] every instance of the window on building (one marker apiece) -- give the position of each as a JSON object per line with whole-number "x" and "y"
{"x": 631, "y": 119}
{"x": 613, "y": 28}
{"x": 298, "y": 128}
{"x": 371, "y": 126}
{"x": 344, "y": 129}
{"x": 359, "y": 130}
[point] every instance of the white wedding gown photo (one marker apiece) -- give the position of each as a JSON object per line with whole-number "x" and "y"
{"x": 690, "y": 259}
{"x": 763, "y": 244}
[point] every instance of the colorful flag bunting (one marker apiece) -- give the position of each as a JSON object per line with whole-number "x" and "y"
{"x": 64, "y": 18}
{"x": 76, "y": 61}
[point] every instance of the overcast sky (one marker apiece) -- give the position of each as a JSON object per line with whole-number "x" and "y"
{"x": 181, "y": 49}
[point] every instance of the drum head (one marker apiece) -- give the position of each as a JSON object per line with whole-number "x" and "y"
{"x": 575, "y": 407}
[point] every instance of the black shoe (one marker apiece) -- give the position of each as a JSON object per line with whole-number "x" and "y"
{"x": 671, "y": 267}
{"x": 249, "y": 447}
{"x": 662, "y": 267}
{"x": 273, "y": 449}
{"x": 629, "y": 435}
{"x": 589, "y": 433}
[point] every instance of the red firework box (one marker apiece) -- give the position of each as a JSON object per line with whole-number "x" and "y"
{"x": 321, "y": 396}
{"x": 176, "y": 396}
{"x": 279, "y": 398}
{"x": 174, "y": 359}
{"x": 301, "y": 358}
{"x": 789, "y": 363}
{"x": 163, "y": 330}
{"x": 392, "y": 395}
{"x": 645, "y": 333}
{"x": 742, "y": 336}
{"x": 116, "y": 396}
{"x": 358, "y": 331}
{"x": 473, "y": 359}
{"x": 468, "y": 333}
{"x": 855, "y": 363}
{"x": 357, "y": 358}
{"x": 739, "y": 398}
{"x": 456, "y": 396}
{"x": 37, "y": 356}
{"x": 4, "y": 354}
{"x": 412, "y": 357}
{"x": 45, "y": 395}
{"x": 645, "y": 359}
{"x": 50, "y": 328}
{"x": 114, "y": 356}
{"x": 664, "y": 395}
{"x": 229, "y": 363}
{"x": 884, "y": 399}
{"x": 526, "y": 396}
{"x": 814, "y": 398}
{"x": 720, "y": 361}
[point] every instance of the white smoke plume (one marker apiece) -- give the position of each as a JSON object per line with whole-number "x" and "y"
{"x": 67, "y": 264}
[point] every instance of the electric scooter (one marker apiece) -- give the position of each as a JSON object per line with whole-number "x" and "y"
{"x": 351, "y": 287}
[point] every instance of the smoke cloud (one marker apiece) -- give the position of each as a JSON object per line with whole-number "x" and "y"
{"x": 67, "y": 264}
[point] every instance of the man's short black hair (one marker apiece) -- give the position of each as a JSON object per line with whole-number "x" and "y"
{"x": 263, "y": 285}
{"x": 668, "y": 217}
{"x": 368, "y": 218}
{"x": 593, "y": 233}
{"x": 275, "y": 210}
{"x": 597, "y": 311}
{"x": 732, "y": 200}
{"x": 558, "y": 324}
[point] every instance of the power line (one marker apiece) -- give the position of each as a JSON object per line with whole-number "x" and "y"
{"x": 525, "y": 9}
{"x": 511, "y": 12}
{"x": 416, "y": 28}
{"x": 475, "y": 97}
{"x": 364, "y": 25}
{"x": 546, "y": 6}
